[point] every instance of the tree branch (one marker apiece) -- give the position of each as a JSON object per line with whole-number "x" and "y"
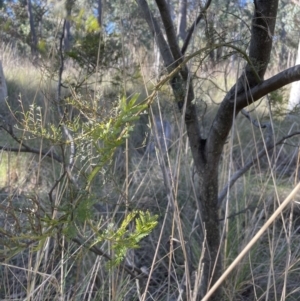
{"x": 27, "y": 149}
{"x": 165, "y": 14}
{"x": 254, "y": 121}
{"x": 58, "y": 101}
{"x": 262, "y": 31}
{"x": 47, "y": 153}
{"x": 67, "y": 132}
{"x": 276, "y": 82}
{"x": 181, "y": 85}
{"x": 263, "y": 24}
{"x": 158, "y": 35}
{"x": 193, "y": 27}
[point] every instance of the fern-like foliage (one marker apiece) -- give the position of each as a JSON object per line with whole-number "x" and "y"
{"x": 135, "y": 226}
{"x": 73, "y": 217}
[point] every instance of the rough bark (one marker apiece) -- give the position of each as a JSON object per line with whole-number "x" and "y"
{"x": 206, "y": 152}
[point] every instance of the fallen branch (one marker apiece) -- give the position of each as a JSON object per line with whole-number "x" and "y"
{"x": 24, "y": 148}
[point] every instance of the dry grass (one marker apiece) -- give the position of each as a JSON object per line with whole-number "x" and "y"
{"x": 61, "y": 269}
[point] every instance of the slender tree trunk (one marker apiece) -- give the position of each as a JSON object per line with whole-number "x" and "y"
{"x": 181, "y": 28}
{"x": 67, "y": 36}
{"x": 67, "y": 33}
{"x": 208, "y": 204}
{"x": 99, "y": 10}
{"x": 33, "y": 42}
{"x": 3, "y": 88}
{"x": 210, "y": 37}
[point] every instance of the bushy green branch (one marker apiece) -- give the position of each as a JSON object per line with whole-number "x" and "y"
{"x": 135, "y": 226}
{"x": 75, "y": 212}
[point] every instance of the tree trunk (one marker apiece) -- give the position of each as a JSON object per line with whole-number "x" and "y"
{"x": 67, "y": 32}
{"x": 3, "y": 88}
{"x": 210, "y": 37}
{"x": 181, "y": 28}
{"x": 33, "y": 42}
{"x": 206, "y": 153}
{"x": 99, "y": 16}
{"x": 208, "y": 204}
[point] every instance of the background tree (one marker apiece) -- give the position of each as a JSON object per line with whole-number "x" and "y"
{"x": 181, "y": 27}
{"x": 99, "y": 10}
{"x": 67, "y": 34}
{"x": 33, "y": 35}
